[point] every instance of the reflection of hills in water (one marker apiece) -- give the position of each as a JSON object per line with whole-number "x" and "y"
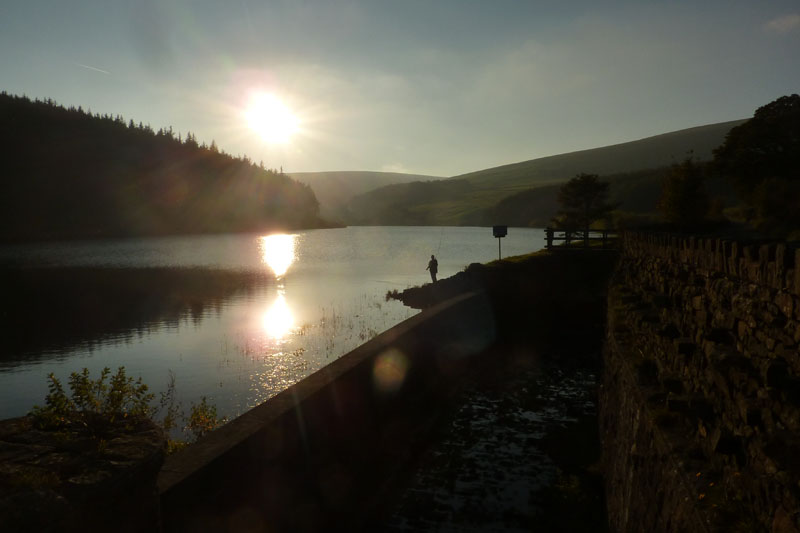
{"x": 53, "y": 310}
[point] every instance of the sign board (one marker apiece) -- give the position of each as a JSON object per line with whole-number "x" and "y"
{"x": 500, "y": 231}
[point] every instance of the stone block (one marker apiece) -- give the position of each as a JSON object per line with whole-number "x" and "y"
{"x": 780, "y": 265}
{"x": 724, "y": 253}
{"x": 686, "y": 347}
{"x": 785, "y": 303}
{"x": 723, "y": 320}
{"x": 701, "y": 318}
{"x": 771, "y": 276}
{"x": 796, "y": 284}
{"x": 764, "y": 253}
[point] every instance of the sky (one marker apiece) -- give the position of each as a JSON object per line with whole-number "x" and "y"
{"x": 421, "y": 86}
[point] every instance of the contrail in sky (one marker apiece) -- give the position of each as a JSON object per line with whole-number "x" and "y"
{"x": 91, "y": 68}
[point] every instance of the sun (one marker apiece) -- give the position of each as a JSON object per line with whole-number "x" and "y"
{"x": 268, "y": 116}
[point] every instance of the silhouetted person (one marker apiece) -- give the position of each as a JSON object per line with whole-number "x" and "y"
{"x": 433, "y": 266}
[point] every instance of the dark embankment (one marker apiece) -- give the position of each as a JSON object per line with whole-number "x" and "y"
{"x": 49, "y": 309}
{"x": 519, "y": 449}
{"x": 552, "y": 299}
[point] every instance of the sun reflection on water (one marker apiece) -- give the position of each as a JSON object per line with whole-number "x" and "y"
{"x": 278, "y": 321}
{"x": 278, "y": 252}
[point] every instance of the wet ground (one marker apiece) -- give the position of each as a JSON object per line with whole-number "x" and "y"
{"x": 519, "y": 453}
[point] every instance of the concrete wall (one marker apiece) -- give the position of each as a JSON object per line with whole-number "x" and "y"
{"x": 700, "y": 404}
{"x": 317, "y": 456}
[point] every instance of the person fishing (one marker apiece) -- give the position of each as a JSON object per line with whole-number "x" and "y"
{"x": 433, "y": 266}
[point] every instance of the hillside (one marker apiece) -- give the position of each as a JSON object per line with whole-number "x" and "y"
{"x": 650, "y": 152}
{"x": 69, "y": 174}
{"x": 335, "y": 189}
{"x": 476, "y": 198}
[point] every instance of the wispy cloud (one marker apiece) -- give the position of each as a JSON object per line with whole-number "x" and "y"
{"x": 89, "y": 67}
{"x": 784, "y": 24}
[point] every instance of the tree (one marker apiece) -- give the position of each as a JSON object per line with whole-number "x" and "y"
{"x": 761, "y": 157}
{"x": 583, "y": 200}
{"x": 684, "y": 201}
{"x": 766, "y": 146}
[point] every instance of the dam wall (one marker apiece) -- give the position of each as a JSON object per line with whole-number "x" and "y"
{"x": 700, "y": 400}
{"x": 319, "y": 455}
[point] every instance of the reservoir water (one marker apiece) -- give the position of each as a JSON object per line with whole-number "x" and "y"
{"x": 234, "y": 318}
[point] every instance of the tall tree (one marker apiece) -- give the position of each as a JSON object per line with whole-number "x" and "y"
{"x": 766, "y": 146}
{"x": 583, "y": 200}
{"x": 684, "y": 201}
{"x": 762, "y": 159}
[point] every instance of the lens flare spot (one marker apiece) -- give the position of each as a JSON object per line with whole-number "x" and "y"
{"x": 278, "y": 252}
{"x": 390, "y": 370}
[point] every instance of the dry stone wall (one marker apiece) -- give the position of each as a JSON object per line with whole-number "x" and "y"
{"x": 700, "y": 405}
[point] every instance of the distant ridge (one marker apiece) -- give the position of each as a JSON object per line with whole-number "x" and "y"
{"x": 649, "y": 152}
{"x": 470, "y": 199}
{"x": 335, "y": 189}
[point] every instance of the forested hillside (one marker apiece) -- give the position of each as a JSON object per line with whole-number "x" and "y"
{"x": 67, "y": 173}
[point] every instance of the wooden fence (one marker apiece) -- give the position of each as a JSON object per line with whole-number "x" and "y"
{"x": 583, "y": 238}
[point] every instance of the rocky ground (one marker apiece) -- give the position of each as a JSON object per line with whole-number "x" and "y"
{"x": 520, "y": 453}
{"x": 73, "y": 480}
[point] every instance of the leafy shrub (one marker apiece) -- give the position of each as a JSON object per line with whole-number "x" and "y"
{"x": 203, "y": 418}
{"x": 93, "y": 402}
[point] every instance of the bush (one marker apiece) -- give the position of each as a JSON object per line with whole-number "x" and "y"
{"x": 203, "y": 419}
{"x": 92, "y": 402}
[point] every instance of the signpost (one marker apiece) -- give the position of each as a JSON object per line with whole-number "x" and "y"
{"x": 499, "y": 232}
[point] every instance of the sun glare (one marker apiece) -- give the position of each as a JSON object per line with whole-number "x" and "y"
{"x": 271, "y": 119}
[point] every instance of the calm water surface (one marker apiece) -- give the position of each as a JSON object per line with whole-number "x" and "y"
{"x": 307, "y": 299}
